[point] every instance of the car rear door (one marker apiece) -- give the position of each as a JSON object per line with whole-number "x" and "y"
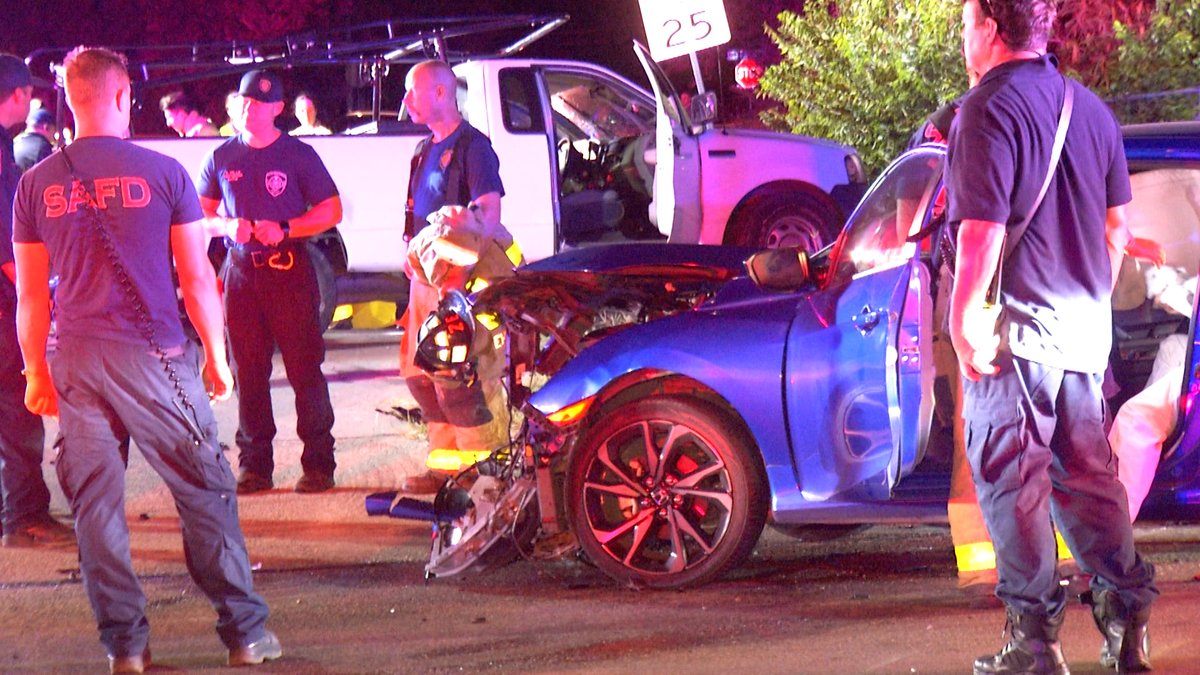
{"x": 858, "y": 370}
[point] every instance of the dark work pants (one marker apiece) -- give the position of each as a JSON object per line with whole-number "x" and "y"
{"x": 109, "y": 392}
{"x": 265, "y": 307}
{"x": 1036, "y": 442}
{"x": 23, "y": 493}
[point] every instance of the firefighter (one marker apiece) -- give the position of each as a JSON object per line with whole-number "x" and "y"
{"x": 454, "y": 166}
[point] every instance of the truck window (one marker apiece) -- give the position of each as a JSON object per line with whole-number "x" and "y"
{"x": 521, "y": 109}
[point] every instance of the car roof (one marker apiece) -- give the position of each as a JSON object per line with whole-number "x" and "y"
{"x": 1162, "y": 145}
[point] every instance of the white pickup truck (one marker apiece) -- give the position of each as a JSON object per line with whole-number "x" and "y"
{"x": 582, "y": 159}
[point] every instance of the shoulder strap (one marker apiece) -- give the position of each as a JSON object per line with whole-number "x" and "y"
{"x": 414, "y": 167}
{"x": 457, "y": 187}
{"x": 1060, "y": 138}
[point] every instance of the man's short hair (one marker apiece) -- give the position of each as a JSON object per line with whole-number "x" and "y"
{"x": 89, "y": 73}
{"x": 177, "y": 100}
{"x": 1022, "y": 24}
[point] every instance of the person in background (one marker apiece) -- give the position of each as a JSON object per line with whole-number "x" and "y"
{"x": 233, "y": 114}
{"x": 123, "y": 368}
{"x": 24, "y": 496}
{"x": 184, "y": 118}
{"x": 38, "y": 140}
{"x": 1032, "y": 399}
{"x": 277, "y": 193}
{"x": 306, "y": 113}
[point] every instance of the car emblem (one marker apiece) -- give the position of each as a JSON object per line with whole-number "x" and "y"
{"x": 276, "y": 183}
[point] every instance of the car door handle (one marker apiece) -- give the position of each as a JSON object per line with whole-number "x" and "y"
{"x": 866, "y": 320}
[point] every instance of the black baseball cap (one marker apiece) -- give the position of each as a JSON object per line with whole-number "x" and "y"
{"x": 262, "y": 86}
{"x": 15, "y": 74}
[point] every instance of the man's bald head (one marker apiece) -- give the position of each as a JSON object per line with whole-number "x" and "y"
{"x": 431, "y": 96}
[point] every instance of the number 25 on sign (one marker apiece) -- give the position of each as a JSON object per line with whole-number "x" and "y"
{"x": 677, "y": 27}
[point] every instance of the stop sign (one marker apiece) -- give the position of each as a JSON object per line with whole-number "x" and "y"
{"x": 746, "y": 73}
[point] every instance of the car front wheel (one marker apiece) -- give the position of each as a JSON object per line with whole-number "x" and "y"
{"x": 666, "y": 493}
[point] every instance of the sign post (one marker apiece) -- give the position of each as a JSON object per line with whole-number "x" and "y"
{"x": 678, "y": 27}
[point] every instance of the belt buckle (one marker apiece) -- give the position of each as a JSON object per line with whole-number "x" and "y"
{"x": 257, "y": 258}
{"x": 276, "y": 261}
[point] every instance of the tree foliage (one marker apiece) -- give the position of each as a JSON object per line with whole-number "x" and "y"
{"x": 1163, "y": 57}
{"x": 866, "y": 72}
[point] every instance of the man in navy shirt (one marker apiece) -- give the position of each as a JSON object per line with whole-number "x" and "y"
{"x": 108, "y": 216}
{"x": 454, "y": 166}
{"x": 279, "y": 194}
{"x": 1033, "y": 407}
{"x": 24, "y": 497}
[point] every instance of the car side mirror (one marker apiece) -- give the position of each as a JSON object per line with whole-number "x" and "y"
{"x": 702, "y": 109}
{"x": 779, "y": 269}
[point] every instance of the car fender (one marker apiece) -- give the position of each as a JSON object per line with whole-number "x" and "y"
{"x": 737, "y": 352}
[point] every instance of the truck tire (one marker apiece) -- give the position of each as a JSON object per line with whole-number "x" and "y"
{"x": 326, "y": 286}
{"x": 798, "y": 217}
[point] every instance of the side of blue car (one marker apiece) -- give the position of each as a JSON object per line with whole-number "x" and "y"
{"x": 822, "y": 405}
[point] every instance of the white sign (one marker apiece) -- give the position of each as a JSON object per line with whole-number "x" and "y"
{"x": 678, "y": 27}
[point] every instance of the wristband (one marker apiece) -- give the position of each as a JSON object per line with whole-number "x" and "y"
{"x": 287, "y": 229}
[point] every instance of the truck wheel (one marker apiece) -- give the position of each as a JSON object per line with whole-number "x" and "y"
{"x": 798, "y": 218}
{"x": 326, "y": 286}
{"x": 666, "y": 493}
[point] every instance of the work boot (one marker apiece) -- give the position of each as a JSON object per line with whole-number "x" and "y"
{"x": 313, "y": 481}
{"x": 1126, "y": 634}
{"x": 249, "y": 483}
{"x": 266, "y": 648}
{"x": 427, "y": 483}
{"x": 1032, "y": 649}
{"x": 133, "y": 663}
{"x": 45, "y": 531}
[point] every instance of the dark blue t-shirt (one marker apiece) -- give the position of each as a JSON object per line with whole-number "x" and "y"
{"x": 1057, "y": 281}
{"x": 281, "y": 181}
{"x": 481, "y": 174}
{"x": 142, "y": 194}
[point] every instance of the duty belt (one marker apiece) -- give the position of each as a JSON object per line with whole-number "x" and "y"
{"x": 275, "y": 259}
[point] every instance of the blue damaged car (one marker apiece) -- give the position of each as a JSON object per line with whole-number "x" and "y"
{"x": 672, "y": 405}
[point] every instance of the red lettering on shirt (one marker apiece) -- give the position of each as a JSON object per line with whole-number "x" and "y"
{"x": 131, "y": 184}
{"x": 133, "y": 192}
{"x": 79, "y": 197}
{"x": 106, "y": 188}
{"x": 56, "y": 205}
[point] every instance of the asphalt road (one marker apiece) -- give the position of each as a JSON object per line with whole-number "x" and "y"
{"x": 348, "y": 595}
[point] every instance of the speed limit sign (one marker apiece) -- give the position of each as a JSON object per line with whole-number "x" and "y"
{"x": 677, "y": 27}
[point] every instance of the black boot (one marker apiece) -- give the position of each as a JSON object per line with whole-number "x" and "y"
{"x": 1126, "y": 634}
{"x": 1032, "y": 649}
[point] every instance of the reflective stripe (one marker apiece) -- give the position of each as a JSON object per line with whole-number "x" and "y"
{"x": 445, "y": 459}
{"x": 514, "y": 253}
{"x": 1064, "y": 553}
{"x": 975, "y": 557}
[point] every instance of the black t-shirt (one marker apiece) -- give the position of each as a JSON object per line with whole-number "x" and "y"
{"x": 281, "y": 181}
{"x": 142, "y": 194}
{"x": 481, "y": 172}
{"x": 1057, "y": 281}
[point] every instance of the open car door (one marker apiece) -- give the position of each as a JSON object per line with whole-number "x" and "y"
{"x": 676, "y": 205}
{"x": 859, "y": 366}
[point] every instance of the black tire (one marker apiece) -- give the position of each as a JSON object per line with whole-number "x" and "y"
{"x": 799, "y": 218}
{"x": 700, "y": 514}
{"x": 326, "y": 285}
